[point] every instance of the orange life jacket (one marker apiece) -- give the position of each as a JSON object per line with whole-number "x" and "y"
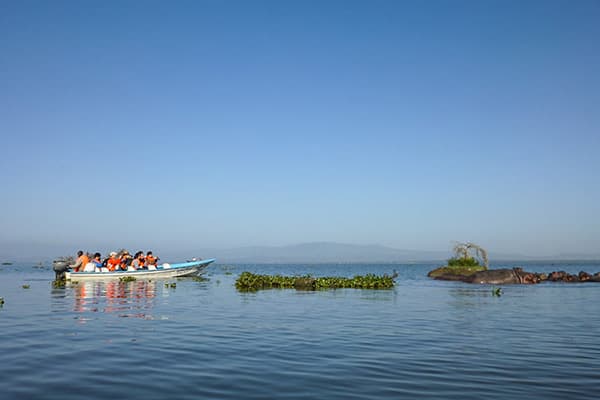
{"x": 124, "y": 260}
{"x": 150, "y": 260}
{"x": 84, "y": 260}
{"x": 113, "y": 263}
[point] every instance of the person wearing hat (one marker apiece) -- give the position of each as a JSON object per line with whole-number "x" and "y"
{"x": 126, "y": 260}
{"x": 114, "y": 262}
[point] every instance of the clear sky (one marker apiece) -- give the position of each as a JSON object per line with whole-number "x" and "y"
{"x": 178, "y": 124}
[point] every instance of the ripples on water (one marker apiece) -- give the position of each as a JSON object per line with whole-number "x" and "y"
{"x": 423, "y": 339}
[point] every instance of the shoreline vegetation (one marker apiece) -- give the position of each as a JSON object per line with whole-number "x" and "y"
{"x": 250, "y": 282}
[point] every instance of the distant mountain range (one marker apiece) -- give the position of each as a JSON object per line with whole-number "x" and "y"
{"x": 324, "y": 252}
{"x": 311, "y": 253}
{"x": 330, "y": 252}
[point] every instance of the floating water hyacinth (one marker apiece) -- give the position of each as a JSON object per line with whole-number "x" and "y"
{"x": 127, "y": 279}
{"x": 59, "y": 283}
{"x": 251, "y": 282}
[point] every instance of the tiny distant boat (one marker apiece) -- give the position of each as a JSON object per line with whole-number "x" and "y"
{"x": 6, "y": 263}
{"x": 165, "y": 270}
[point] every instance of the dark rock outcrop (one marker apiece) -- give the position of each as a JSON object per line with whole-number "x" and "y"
{"x": 518, "y": 276}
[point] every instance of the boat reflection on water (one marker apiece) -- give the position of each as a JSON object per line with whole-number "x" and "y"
{"x": 131, "y": 299}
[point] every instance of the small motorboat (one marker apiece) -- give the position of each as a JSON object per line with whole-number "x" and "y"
{"x": 165, "y": 270}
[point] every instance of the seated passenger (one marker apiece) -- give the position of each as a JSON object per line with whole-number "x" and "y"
{"x": 114, "y": 262}
{"x": 138, "y": 260}
{"x": 95, "y": 265}
{"x": 82, "y": 260}
{"x": 126, "y": 261}
{"x": 151, "y": 261}
{"x": 143, "y": 259}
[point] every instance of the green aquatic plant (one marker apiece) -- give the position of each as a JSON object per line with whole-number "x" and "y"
{"x": 199, "y": 279}
{"x": 463, "y": 262}
{"x": 248, "y": 281}
{"x": 1, "y": 301}
{"x": 26, "y": 286}
{"x": 497, "y": 292}
{"x": 59, "y": 283}
{"x": 127, "y": 279}
{"x": 173, "y": 285}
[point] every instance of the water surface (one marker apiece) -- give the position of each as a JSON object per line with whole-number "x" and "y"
{"x": 204, "y": 339}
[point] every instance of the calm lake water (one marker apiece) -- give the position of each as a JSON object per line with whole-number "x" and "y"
{"x": 423, "y": 339}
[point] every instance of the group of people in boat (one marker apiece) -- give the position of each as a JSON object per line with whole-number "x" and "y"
{"x": 121, "y": 261}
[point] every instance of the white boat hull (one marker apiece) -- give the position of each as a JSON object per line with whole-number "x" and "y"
{"x": 163, "y": 271}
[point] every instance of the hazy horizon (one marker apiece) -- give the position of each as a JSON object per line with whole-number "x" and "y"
{"x": 315, "y": 252}
{"x": 218, "y": 125}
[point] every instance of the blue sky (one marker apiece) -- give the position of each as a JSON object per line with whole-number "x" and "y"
{"x": 189, "y": 124}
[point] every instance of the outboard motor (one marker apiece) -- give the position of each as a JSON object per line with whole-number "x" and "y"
{"x": 60, "y": 266}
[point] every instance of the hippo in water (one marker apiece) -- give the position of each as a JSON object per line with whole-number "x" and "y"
{"x": 497, "y": 277}
{"x": 518, "y": 276}
{"x": 502, "y": 277}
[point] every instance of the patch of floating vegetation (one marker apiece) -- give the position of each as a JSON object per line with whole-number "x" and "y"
{"x": 26, "y": 286}
{"x": 59, "y": 283}
{"x": 127, "y": 279}
{"x": 199, "y": 279}
{"x": 171, "y": 285}
{"x": 497, "y": 292}
{"x": 1, "y": 301}
{"x": 248, "y": 281}
{"x": 7, "y": 263}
